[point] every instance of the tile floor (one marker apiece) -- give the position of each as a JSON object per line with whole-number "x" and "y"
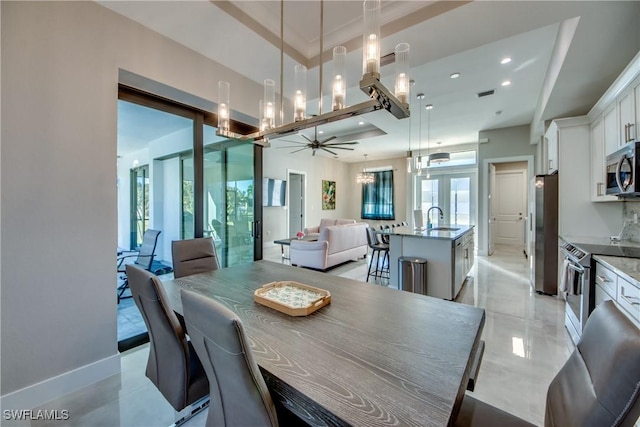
{"x": 526, "y": 344}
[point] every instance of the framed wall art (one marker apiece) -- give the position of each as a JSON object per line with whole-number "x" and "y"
{"x": 328, "y": 195}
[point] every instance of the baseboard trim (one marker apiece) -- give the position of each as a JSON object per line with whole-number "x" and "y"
{"x": 40, "y": 393}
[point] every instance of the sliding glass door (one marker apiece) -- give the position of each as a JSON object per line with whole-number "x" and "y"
{"x": 139, "y": 213}
{"x": 229, "y": 194}
{"x": 175, "y": 175}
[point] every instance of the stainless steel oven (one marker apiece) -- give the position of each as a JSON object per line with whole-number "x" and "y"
{"x": 578, "y": 288}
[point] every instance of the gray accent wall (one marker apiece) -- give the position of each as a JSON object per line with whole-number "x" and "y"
{"x": 510, "y": 144}
{"x": 60, "y": 67}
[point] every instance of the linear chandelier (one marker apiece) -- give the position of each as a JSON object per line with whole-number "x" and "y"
{"x": 395, "y": 102}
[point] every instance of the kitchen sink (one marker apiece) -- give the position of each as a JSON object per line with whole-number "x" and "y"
{"x": 444, "y": 229}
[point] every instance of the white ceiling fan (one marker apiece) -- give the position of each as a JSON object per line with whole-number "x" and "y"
{"x": 314, "y": 144}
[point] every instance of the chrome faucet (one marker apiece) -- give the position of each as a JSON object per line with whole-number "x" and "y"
{"x": 429, "y": 216}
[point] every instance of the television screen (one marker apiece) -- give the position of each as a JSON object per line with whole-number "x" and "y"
{"x": 274, "y": 192}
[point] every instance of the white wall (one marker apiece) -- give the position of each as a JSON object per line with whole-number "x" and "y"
{"x": 60, "y": 63}
{"x": 276, "y": 162}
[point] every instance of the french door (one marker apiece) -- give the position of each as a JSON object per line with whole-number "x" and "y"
{"x": 454, "y": 193}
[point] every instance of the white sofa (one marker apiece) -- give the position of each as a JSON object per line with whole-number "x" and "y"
{"x": 326, "y": 222}
{"x": 336, "y": 244}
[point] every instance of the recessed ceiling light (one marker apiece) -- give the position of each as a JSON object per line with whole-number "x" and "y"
{"x": 505, "y": 60}
{"x": 320, "y": 131}
{"x": 428, "y": 107}
{"x": 454, "y": 75}
{"x": 506, "y": 83}
{"x": 360, "y": 123}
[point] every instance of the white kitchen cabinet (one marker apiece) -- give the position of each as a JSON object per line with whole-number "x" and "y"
{"x": 610, "y": 131}
{"x": 613, "y": 284}
{"x": 627, "y": 115}
{"x": 629, "y": 298}
{"x": 598, "y": 163}
{"x": 606, "y": 283}
{"x": 577, "y": 214}
{"x": 551, "y": 139}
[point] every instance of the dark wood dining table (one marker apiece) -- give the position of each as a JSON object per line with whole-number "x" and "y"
{"x": 373, "y": 357}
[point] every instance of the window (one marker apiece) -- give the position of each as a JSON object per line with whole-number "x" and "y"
{"x": 377, "y": 197}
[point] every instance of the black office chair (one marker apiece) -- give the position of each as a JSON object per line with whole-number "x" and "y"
{"x": 173, "y": 365}
{"x": 599, "y": 384}
{"x": 143, "y": 258}
{"x": 379, "y": 270}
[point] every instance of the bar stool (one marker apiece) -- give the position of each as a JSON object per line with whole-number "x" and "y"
{"x": 379, "y": 271}
{"x": 384, "y": 238}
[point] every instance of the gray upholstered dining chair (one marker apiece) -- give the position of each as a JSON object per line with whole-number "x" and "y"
{"x": 599, "y": 384}
{"x": 173, "y": 365}
{"x": 239, "y": 395}
{"x": 193, "y": 256}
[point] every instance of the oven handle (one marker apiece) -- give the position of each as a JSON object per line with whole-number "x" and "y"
{"x": 576, "y": 267}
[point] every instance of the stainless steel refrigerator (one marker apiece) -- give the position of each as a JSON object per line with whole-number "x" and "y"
{"x": 544, "y": 223}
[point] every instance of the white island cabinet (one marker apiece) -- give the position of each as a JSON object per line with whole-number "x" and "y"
{"x": 449, "y": 254}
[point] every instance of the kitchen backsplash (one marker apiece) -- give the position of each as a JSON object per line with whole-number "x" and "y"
{"x": 631, "y": 228}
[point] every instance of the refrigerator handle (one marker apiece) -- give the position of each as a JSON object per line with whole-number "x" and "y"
{"x": 530, "y": 221}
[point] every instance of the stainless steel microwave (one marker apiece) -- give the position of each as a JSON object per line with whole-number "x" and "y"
{"x": 623, "y": 171}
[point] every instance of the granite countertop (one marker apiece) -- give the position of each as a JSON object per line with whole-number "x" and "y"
{"x": 599, "y": 240}
{"x": 453, "y": 233}
{"x": 629, "y": 268}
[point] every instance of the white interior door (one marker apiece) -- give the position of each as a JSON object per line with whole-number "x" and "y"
{"x": 296, "y": 203}
{"x": 510, "y": 202}
{"x": 492, "y": 186}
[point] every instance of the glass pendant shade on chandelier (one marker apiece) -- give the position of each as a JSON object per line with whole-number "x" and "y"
{"x": 380, "y": 97}
{"x": 365, "y": 177}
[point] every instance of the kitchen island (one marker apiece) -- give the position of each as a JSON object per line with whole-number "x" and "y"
{"x": 449, "y": 251}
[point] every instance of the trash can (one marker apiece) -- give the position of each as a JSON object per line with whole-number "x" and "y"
{"x": 413, "y": 274}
